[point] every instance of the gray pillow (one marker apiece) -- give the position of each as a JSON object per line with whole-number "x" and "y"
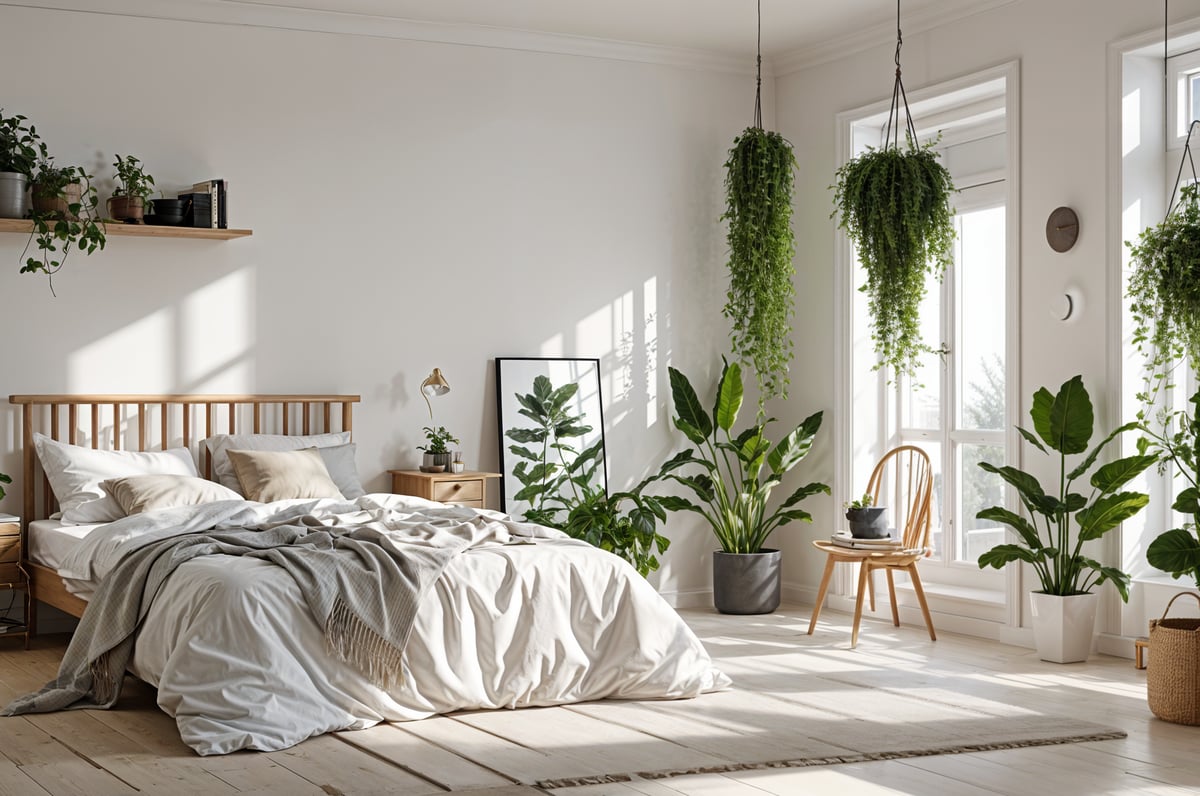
{"x": 339, "y": 460}
{"x": 218, "y": 444}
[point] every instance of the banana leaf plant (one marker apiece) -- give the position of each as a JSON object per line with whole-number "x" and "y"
{"x": 1059, "y": 522}
{"x": 737, "y": 474}
{"x": 1177, "y": 550}
{"x": 564, "y": 488}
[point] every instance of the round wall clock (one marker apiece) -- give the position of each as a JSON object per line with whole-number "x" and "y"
{"x": 1062, "y": 229}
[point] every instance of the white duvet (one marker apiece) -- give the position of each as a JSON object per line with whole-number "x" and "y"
{"x": 534, "y": 618}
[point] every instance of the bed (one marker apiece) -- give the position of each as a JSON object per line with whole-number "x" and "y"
{"x": 525, "y": 616}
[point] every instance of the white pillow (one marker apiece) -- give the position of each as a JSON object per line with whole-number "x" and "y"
{"x": 137, "y": 494}
{"x": 218, "y": 444}
{"x": 75, "y": 474}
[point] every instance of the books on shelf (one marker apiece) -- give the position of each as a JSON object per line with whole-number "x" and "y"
{"x": 210, "y": 204}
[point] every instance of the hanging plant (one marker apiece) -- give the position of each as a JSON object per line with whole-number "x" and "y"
{"x": 758, "y": 187}
{"x": 894, "y": 205}
{"x": 758, "y": 206}
{"x": 1164, "y": 288}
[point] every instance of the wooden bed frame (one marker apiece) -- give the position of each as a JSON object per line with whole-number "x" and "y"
{"x": 114, "y": 422}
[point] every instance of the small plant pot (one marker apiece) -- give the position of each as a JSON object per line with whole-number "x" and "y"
{"x": 868, "y": 523}
{"x": 127, "y": 208}
{"x": 14, "y": 196}
{"x": 59, "y": 206}
{"x": 169, "y": 212}
{"x": 435, "y": 462}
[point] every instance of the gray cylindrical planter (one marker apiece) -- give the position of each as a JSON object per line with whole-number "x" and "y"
{"x": 14, "y": 198}
{"x": 746, "y": 583}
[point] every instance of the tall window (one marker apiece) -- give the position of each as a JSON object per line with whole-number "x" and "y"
{"x": 957, "y": 406}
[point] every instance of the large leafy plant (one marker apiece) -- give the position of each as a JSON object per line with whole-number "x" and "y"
{"x": 563, "y": 483}
{"x": 759, "y": 175}
{"x": 1164, "y": 290}
{"x": 894, "y": 205}
{"x": 1177, "y": 550}
{"x": 1060, "y": 521}
{"x": 737, "y": 474}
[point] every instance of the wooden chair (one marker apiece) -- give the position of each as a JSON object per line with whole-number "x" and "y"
{"x": 903, "y": 481}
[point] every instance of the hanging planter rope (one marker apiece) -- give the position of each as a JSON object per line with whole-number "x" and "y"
{"x": 759, "y": 181}
{"x": 894, "y": 205}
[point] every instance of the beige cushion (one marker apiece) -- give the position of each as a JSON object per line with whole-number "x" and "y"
{"x": 218, "y": 444}
{"x": 139, "y": 493}
{"x": 279, "y": 475}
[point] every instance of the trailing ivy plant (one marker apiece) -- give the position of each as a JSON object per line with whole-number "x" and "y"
{"x": 1164, "y": 291}
{"x": 759, "y": 177}
{"x": 73, "y": 223}
{"x": 894, "y": 205}
{"x": 561, "y": 482}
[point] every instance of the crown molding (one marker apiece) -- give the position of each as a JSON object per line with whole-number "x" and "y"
{"x": 246, "y": 14}
{"x": 884, "y": 33}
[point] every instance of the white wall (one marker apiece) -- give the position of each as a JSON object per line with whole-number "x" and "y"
{"x": 1063, "y": 52}
{"x": 413, "y": 205}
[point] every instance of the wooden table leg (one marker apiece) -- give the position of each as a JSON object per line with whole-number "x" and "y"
{"x": 892, "y": 592}
{"x": 812, "y": 625}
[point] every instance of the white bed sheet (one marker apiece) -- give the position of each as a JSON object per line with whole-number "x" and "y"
{"x": 240, "y": 662}
{"x": 51, "y": 543}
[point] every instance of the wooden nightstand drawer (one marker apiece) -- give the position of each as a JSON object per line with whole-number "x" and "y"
{"x": 10, "y": 549}
{"x": 458, "y": 491}
{"x": 10, "y": 573}
{"x": 10, "y": 529}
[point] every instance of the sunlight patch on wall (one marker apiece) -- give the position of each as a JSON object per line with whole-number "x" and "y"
{"x": 1131, "y": 121}
{"x": 1131, "y": 225}
{"x": 138, "y": 357}
{"x": 553, "y": 347}
{"x": 216, "y": 356}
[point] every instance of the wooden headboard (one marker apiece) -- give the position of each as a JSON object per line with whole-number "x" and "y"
{"x": 149, "y": 422}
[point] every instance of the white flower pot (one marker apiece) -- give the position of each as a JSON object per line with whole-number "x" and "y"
{"x": 1063, "y": 627}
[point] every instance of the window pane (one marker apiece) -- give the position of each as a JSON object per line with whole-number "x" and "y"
{"x": 922, "y": 409}
{"x": 980, "y": 360}
{"x": 1193, "y": 99}
{"x": 978, "y": 490}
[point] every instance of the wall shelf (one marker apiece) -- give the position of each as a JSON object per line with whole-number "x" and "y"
{"x": 140, "y": 230}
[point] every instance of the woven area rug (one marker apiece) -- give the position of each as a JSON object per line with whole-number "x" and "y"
{"x": 817, "y": 720}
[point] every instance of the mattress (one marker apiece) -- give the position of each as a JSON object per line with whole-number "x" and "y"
{"x": 51, "y": 542}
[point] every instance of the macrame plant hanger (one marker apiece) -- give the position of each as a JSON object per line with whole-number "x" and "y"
{"x": 758, "y": 75}
{"x": 1187, "y": 158}
{"x": 892, "y": 134}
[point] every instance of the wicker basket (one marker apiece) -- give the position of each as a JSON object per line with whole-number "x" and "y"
{"x": 1173, "y": 676}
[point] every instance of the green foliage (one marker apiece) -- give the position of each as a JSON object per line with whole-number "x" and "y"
{"x": 1064, "y": 424}
{"x": 561, "y": 483}
{"x": 758, "y": 186}
{"x": 4, "y": 479}
{"x": 20, "y": 147}
{"x": 438, "y": 439}
{"x": 895, "y": 208}
{"x": 55, "y": 232}
{"x": 864, "y": 502}
{"x": 1164, "y": 291}
{"x": 1177, "y": 550}
{"x": 737, "y": 474}
{"x": 132, "y": 180}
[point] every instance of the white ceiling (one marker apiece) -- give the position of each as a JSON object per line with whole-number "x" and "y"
{"x": 726, "y": 27}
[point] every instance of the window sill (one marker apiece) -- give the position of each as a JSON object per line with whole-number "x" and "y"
{"x": 967, "y": 594}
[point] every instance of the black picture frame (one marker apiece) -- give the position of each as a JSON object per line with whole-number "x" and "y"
{"x": 516, "y": 375}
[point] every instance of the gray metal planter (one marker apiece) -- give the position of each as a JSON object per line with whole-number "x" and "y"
{"x": 14, "y": 196}
{"x": 746, "y": 583}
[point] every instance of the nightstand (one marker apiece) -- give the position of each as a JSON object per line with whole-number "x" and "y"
{"x": 458, "y": 489}
{"x": 11, "y": 576}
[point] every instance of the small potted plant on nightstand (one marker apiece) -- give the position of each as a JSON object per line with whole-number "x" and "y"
{"x": 437, "y": 452}
{"x": 134, "y": 188}
{"x": 867, "y": 521}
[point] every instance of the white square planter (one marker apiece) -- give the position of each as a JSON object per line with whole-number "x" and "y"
{"x": 1063, "y": 627}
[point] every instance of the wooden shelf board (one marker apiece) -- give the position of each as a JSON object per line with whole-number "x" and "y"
{"x": 140, "y": 230}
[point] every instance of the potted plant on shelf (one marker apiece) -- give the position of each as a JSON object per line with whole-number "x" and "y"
{"x": 1051, "y": 538}
{"x": 736, "y": 477}
{"x": 437, "y": 453}
{"x": 20, "y": 150}
{"x": 134, "y": 188}
{"x": 867, "y": 521}
{"x": 563, "y": 489}
{"x": 64, "y": 217}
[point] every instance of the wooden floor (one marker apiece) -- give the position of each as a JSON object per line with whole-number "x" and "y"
{"x": 136, "y": 747}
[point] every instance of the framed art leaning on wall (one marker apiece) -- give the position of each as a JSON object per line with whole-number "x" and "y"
{"x": 550, "y": 418}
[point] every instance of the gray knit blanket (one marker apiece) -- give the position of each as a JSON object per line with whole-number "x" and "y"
{"x": 361, "y": 573}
